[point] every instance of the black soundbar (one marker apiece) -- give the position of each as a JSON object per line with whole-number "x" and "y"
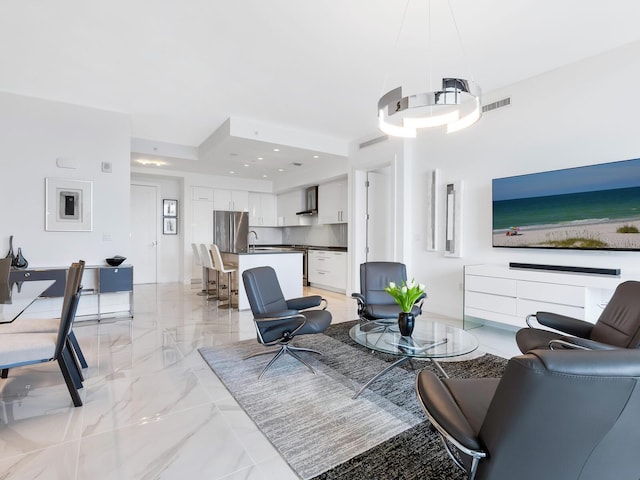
{"x": 566, "y": 268}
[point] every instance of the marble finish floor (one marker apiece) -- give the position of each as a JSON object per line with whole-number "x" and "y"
{"x": 152, "y": 408}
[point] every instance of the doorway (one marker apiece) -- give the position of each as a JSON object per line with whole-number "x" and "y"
{"x": 144, "y": 233}
{"x": 380, "y": 219}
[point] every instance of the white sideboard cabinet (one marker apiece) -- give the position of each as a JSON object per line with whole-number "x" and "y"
{"x": 506, "y": 295}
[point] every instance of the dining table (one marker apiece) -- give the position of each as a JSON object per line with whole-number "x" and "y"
{"x": 16, "y": 297}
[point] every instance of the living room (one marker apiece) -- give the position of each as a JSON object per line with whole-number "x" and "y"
{"x": 571, "y": 114}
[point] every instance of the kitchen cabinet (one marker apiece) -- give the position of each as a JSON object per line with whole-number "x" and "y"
{"x": 262, "y": 210}
{"x": 333, "y": 202}
{"x": 202, "y": 194}
{"x": 231, "y": 200}
{"x": 287, "y": 205}
{"x": 503, "y": 295}
{"x": 328, "y": 269}
{"x": 201, "y": 222}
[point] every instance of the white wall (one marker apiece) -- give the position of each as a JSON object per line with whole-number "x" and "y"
{"x": 33, "y": 133}
{"x": 581, "y": 114}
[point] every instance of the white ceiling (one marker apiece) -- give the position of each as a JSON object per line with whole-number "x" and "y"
{"x": 182, "y": 68}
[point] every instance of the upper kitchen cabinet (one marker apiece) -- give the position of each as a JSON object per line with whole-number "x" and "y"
{"x": 202, "y": 194}
{"x": 262, "y": 210}
{"x": 332, "y": 202}
{"x": 288, "y": 205}
{"x": 234, "y": 200}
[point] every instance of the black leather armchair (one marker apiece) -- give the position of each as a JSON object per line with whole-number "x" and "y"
{"x": 617, "y": 327}
{"x": 277, "y": 320}
{"x": 555, "y": 414}
{"x": 374, "y": 304}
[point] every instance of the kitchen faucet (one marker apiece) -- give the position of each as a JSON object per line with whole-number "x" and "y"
{"x": 252, "y": 248}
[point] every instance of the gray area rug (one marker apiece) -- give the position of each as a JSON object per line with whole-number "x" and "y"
{"x": 320, "y": 430}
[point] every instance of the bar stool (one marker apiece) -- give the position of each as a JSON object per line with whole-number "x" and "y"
{"x": 205, "y": 272}
{"x": 207, "y": 264}
{"x": 222, "y": 268}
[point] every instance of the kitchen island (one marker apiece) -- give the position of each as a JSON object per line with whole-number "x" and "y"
{"x": 286, "y": 263}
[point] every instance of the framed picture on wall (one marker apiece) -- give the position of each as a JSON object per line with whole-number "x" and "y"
{"x": 68, "y": 205}
{"x": 170, "y": 225}
{"x": 170, "y": 208}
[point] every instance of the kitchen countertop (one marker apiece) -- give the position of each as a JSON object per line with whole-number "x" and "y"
{"x": 309, "y": 247}
{"x": 258, "y": 251}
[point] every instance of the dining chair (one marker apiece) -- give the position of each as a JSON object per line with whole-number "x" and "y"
{"x": 222, "y": 268}
{"x": 23, "y": 324}
{"x": 5, "y": 269}
{"x": 22, "y": 349}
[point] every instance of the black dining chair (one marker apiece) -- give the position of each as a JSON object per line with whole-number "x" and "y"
{"x": 21, "y": 349}
{"x": 25, "y": 324}
{"x": 279, "y": 321}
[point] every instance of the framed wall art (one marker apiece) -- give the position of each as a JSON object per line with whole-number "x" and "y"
{"x": 68, "y": 205}
{"x": 170, "y": 208}
{"x": 170, "y": 225}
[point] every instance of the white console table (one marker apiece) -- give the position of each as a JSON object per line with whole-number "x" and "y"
{"x": 504, "y": 295}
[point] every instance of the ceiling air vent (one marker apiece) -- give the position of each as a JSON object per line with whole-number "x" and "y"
{"x": 373, "y": 141}
{"x": 497, "y": 104}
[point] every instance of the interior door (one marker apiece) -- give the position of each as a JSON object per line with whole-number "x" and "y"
{"x": 379, "y": 216}
{"x": 144, "y": 233}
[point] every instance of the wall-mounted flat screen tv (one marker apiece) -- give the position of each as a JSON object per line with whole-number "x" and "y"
{"x": 595, "y": 207}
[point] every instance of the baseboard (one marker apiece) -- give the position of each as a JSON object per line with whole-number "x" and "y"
{"x": 566, "y": 268}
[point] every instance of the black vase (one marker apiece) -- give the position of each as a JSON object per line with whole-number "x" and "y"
{"x": 19, "y": 261}
{"x": 406, "y": 322}
{"x": 10, "y": 252}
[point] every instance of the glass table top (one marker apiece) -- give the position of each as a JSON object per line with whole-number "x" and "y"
{"x": 15, "y": 297}
{"x": 429, "y": 339}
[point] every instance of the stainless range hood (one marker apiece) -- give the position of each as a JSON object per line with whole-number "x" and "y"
{"x": 311, "y": 202}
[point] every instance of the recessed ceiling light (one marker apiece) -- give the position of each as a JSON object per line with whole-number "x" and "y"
{"x": 246, "y": 164}
{"x": 281, "y": 169}
{"x": 316, "y": 156}
{"x": 231, "y": 171}
{"x": 264, "y": 176}
{"x": 276, "y": 149}
{"x": 260, "y": 158}
{"x": 157, "y": 163}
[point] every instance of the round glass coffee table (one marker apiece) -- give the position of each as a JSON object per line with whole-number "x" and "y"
{"x": 430, "y": 340}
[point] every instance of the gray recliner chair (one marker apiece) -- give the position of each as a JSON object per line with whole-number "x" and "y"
{"x": 617, "y": 327}
{"x": 374, "y": 304}
{"x": 555, "y": 414}
{"x": 277, "y": 320}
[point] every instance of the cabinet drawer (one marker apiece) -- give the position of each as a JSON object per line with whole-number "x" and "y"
{"x": 552, "y": 293}
{"x": 118, "y": 279}
{"x": 528, "y": 307}
{"x": 58, "y": 275}
{"x": 499, "y": 286}
{"x": 490, "y": 303}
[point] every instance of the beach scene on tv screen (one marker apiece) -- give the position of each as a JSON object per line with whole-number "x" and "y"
{"x": 591, "y": 207}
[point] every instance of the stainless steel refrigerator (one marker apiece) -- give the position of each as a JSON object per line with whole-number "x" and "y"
{"x": 230, "y": 231}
